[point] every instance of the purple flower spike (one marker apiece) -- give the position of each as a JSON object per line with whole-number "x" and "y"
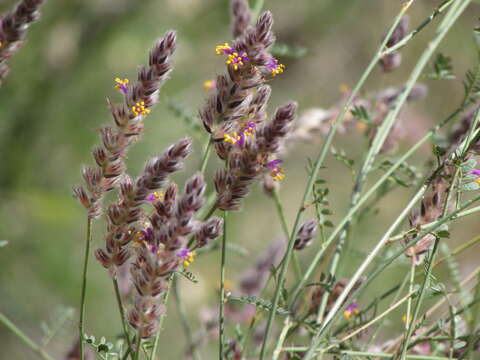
{"x": 474, "y": 172}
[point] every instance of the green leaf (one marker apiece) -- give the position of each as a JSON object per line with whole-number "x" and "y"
{"x": 443, "y": 234}
{"x": 328, "y": 223}
{"x": 326, "y": 212}
{"x": 468, "y": 165}
{"x": 442, "y": 68}
{"x": 472, "y": 186}
{"x": 102, "y": 348}
{"x": 188, "y": 275}
{"x": 259, "y": 303}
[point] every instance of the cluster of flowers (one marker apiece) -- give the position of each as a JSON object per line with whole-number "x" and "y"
{"x": 157, "y": 239}
{"x": 235, "y": 112}
{"x": 162, "y": 249}
{"x": 128, "y": 126}
{"x": 13, "y": 29}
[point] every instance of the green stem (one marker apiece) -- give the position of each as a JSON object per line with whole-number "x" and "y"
{"x": 419, "y": 28}
{"x": 431, "y": 225}
{"x": 138, "y": 347}
{"x": 24, "y": 338}
{"x": 162, "y": 318}
{"x": 183, "y": 318}
{"x": 84, "y": 287}
{"x": 206, "y": 156}
{"x": 474, "y": 322}
{"x": 369, "y": 354}
{"x": 342, "y": 298}
{"x": 313, "y": 176}
{"x": 416, "y": 311}
{"x": 410, "y": 289}
{"x": 337, "y": 308}
{"x": 367, "y": 195}
{"x": 283, "y": 222}
{"x": 122, "y": 312}
{"x": 221, "y": 316}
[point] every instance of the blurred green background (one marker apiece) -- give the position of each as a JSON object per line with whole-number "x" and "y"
{"x": 55, "y": 98}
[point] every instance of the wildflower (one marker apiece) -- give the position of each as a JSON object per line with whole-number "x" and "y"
{"x": 237, "y": 60}
{"x": 477, "y": 173}
{"x": 249, "y": 128}
{"x": 231, "y": 139}
{"x": 154, "y": 196}
{"x": 224, "y": 49}
{"x": 276, "y": 172}
{"x": 187, "y": 256}
{"x": 247, "y": 131}
{"x": 209, "y": 85}
{"x": 140, "y": 109}
{"x": 274, "y": 67}
{"x": 122, "y": 85}
{"x": 351, "y": 311}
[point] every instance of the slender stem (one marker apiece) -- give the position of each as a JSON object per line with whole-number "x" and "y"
{"x": 122, "y": 312}
{"x": 373, "y": 321}
{"x": 431, "y": 225}
{"x": 369, "y": 354}
{"x": 410, "y": 289}
{"x": 458, "y": 250}
{"x": 278, "y": 348}
{"x": 474, "y": 322}
{"x": 342, "y": 298}
{"x": 377, "y": 330}
{"x": 183, "y": 318}
{"x": 365, "y": 197}
{"x": 221, "y": 318}
{"x": 283, "y": 222}
{"x": 416, "y": 310}
{"x": 162, "y": 318}
{"x": 84, "y": 287}
{"x": 206, "y": 156}
{"x": 24, "y": 338}
{"x": 138, "y": 347}
{"x": 381, "y": 268}
{"x": 434, "y": 308}
{"x": 446, "y": 24}
{"x": 313, "y": 176}
{"x": 419, "y": 28}
{"x": 128, "y": 352}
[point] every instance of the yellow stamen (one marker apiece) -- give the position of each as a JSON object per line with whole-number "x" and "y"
{"x": 140, "y": 109}
{"x": 278, "y": 70}
{"x": 231, "y": 139}
{"x": 220, "y": 49}
{"x": 120, "y": 83}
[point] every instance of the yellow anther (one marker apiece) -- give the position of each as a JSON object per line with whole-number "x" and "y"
{"x": 231, "y": 139}
{"x": 222, "y": 49}
{"x": 278, "y": 70}
{"x": 140, "y": 109}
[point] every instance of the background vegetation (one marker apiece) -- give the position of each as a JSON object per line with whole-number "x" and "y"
{"x": 55, "y": 98}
